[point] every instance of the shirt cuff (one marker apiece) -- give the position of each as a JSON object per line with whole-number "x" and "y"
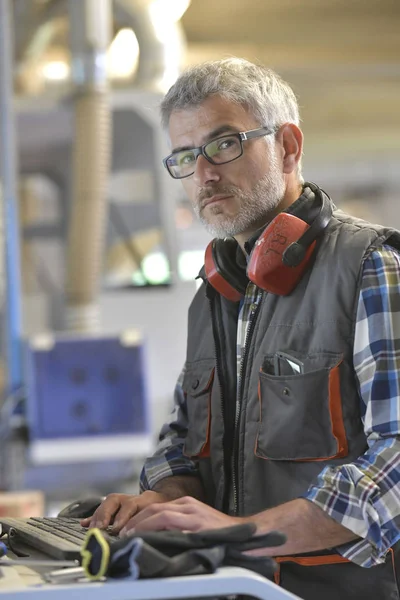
{"x": 157, "y": 468}
{"x": 354, "y": 501}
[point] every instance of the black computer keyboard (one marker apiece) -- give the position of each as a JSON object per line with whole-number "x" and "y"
{"x": 58, "y": 537}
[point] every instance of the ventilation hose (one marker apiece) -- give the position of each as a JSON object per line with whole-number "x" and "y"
{"x": 91, "y": 162}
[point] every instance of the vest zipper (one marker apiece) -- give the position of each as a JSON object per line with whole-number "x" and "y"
{"x": 243, "y": 366}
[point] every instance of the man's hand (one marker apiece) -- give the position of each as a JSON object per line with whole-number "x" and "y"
{"x": 186, "y": 514}
{"x": 305, "y": 525}
{"x": 117, "y": 509}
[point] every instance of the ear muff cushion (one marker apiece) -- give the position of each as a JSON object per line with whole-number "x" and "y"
{"x": 223, "y": 270}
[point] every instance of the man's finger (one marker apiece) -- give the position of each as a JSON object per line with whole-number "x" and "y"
{"x": 155, "y": 509}
{"x": 167, "y": 519}
{"x": 106, "y": 511}
{"x": 186, "y": 500}
{"x": 126, "y": 512}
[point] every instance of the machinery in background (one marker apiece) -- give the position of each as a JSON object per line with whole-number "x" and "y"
{"x": 95, "y": 460}
{"x": 84, "y": 417}
{"x": 77, "y": 414}
{"x": 87, "y": 398}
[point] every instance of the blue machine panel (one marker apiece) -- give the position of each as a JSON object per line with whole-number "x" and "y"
{"x": 85, "y": 386}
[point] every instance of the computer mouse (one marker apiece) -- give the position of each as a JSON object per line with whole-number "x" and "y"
{"x": 81, "y": 508}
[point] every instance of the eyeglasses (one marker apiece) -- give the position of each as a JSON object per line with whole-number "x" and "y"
{"x": 220, "y": 151}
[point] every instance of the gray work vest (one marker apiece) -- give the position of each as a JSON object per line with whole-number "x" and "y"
{"x": 289, "y": 427}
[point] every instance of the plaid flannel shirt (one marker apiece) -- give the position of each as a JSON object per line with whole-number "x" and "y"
{"x": 363, "y": 496}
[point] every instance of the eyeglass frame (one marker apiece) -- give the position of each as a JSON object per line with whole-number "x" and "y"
{"x": 242, "y": 136}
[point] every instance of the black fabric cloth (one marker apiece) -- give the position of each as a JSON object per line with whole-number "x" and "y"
{"x": 174, "y": 553}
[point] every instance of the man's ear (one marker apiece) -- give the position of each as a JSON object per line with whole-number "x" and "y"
{"x": 290, "y": 138}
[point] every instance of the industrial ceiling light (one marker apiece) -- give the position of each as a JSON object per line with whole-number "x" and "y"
{"x": 56, "y": 70}
{"x": 123, "y": 54}
{"x": 168, "y": 10}
{"x": 165, "y": 16}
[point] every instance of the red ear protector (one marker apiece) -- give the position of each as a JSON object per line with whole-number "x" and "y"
{"x": 279, "y": 256}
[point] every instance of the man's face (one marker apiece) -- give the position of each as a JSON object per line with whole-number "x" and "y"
{"x": 236, "y": 197}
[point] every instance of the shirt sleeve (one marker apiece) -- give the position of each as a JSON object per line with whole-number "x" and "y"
{"x": 364, "y": 496}
{"x": 168, "y": 458}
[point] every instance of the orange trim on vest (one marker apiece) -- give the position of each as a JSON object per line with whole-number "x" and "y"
{"x": 205, "y": 451}
{"x": 393, "y": 564}
{"x": 336, "y": 416}
{"x": 307, "y": 561}
{"x": 335, "y": 409}
{"x": 313, "y": 561}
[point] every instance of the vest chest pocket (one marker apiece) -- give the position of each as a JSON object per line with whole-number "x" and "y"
{"x": 197, "y": 385}
{"x": 301, "y": 415}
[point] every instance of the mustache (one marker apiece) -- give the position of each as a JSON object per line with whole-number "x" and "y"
{"x": 205, "y": 193}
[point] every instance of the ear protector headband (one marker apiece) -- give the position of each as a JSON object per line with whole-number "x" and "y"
{"x": 279, "y": 256}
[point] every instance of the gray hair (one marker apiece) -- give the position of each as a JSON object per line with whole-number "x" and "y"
{"x": 264, "y": 92}
{"x": 270, "y": 98}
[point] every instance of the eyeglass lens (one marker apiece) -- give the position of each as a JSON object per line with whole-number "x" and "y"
{"x": 219, "y": 151}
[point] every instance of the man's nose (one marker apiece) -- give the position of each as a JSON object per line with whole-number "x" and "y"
{"x": 205, "y": 172}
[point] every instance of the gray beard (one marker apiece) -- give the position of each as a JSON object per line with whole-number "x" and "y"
{"x": 255, "y": 206}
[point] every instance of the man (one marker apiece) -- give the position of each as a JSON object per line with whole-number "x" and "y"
{"x": 287, "y": 411}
